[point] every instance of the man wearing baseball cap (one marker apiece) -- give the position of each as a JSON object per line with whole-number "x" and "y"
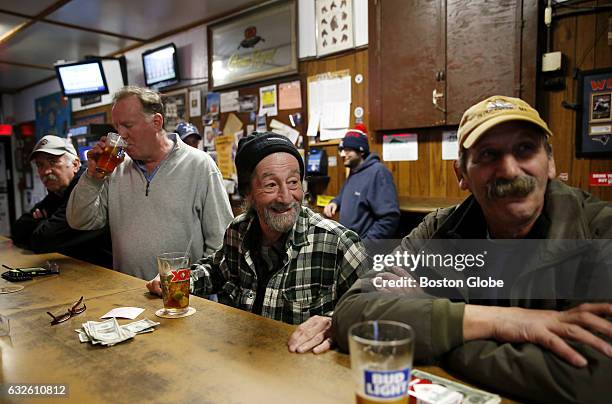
{"x": 280, "y": 259}
{"x": 188, "y": 133}
{"x": 541, "y": 341}
{"x": 368, "y": 199}
{"x": 44, "y": 228}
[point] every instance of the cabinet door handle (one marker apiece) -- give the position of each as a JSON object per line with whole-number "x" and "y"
{"x": 434, "y": 99}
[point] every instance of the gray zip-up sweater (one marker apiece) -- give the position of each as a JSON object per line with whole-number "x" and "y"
{"x": 185, "y": 198}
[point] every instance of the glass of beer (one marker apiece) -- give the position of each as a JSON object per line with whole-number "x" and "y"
{"x": 174, "y": 277}
{"x": 381, "y": 360}
{"x": 112, "y": 154}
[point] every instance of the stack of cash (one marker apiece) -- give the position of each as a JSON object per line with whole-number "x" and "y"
{"x": 109, "y": 332}
{"x": 432, "y": 389}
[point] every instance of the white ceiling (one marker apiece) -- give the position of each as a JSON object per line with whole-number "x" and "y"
{"x": 36, "y": 33}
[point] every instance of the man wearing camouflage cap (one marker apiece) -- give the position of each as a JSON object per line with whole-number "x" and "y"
{"x": 44, "y": 228}
{"x": 538, "y": 349}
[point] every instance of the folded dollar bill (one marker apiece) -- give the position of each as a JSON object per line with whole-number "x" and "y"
{"x": 109, "y": 332}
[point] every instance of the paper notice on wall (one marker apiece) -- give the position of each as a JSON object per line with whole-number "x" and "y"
{"x": 315, "y": 98}
{"x": 329, "y": 134}
{"x": 290, "y": 95}
{"x": 313, "y": 124}
{"x": 267, "y": 96}
{"x": 330, "y": 99}
{"x": 401, "y": 147}
{"x": 229, "y": 101}
{"x": 195, "y": 106}
{"x": 285, "y": 130}
{"x": 224, "y": 145}
{"x": 450, "y": 146}
{"x": 337, "y": 89}
{"x": 336, "y": 115}
{"x": 232, "y": 125}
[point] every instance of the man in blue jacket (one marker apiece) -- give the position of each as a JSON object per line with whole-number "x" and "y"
{"x": 368, "y": 199}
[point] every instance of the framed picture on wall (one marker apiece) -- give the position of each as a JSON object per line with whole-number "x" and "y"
{"x": 175, "y": 109}
{"x": 594, "y": 120}
{"x": 252, "y": 46}
{"x": 334, "y": 26}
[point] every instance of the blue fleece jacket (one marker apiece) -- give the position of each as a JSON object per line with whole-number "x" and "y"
{"x": 368, "y": 201}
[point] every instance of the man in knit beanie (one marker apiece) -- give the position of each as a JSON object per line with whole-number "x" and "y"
{"x": 280, "y": 259}
{"x": 368, "y": 199}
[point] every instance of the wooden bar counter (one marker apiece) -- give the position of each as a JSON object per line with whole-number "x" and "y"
{"x": 218, "y": 355}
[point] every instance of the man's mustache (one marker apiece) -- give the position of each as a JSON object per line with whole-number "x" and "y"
{"x": 50, "y": 177}
{"x": 518, "y": 187}
{"x": 284, "y": 206}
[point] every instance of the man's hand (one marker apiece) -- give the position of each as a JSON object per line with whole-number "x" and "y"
{"x": 330, "y": 209}
{"x": 547, "y": 328}
{"x": 39, "y": 214}
{"x": 154, "y": 286}
{"x": 314, "y": 333}
{"x": 92, "y": 158}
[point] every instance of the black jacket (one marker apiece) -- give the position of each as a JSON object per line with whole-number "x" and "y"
{"x": 52, "y": 234}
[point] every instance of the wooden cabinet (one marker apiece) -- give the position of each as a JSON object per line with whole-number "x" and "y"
{"x": 431, "y": 60}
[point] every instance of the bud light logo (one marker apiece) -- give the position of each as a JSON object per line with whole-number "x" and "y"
{"x": 179, "y": 275}
{"x": 386, "y": 384}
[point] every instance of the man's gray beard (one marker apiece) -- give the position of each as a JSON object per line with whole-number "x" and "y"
{"x": 517, "y": 187}
{"x": 281, "y": 223}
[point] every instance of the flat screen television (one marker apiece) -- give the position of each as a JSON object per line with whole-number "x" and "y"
{"x": 82, "y": 78}
{"x": 161, "y": 66}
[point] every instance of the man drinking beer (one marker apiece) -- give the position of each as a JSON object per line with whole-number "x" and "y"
{"x": 162, "y": 195}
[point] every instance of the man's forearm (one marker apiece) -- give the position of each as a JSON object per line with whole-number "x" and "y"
{"x": 478, "y": 321}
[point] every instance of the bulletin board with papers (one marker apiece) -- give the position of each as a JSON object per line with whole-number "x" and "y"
{"x": 329, "y": 105}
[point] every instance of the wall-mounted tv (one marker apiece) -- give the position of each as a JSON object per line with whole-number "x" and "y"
{"x": 161, "y": 66}
{"x": 82, "y": 78}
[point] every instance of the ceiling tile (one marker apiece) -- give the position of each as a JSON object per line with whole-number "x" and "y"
{"x": 28, "y": 7}
{"x": 14, "y": 77}
{"x": 43, "y": 44}
{"x": 8, "y": 22}
{"x": 141, "y": 19}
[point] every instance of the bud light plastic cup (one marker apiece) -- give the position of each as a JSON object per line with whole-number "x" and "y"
{"x": 174, "y": 277}
{"x": 381, "y": 361}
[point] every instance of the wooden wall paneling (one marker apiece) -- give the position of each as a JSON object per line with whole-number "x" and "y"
{"x": 410, "y": 37}
{"x": 436, "y": 173}
{"x": 603, "y": 51}
{"x": 603, "y": 58}
{"x": 481, "y": 54}
{"x": 584, "y": 59}
{"x": 562, "y": 121}
{"x": 583, "y": 45}
{"x": 529, "y": 50}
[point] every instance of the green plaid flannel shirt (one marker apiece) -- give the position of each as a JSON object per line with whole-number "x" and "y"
{"x": 323, "y": 259}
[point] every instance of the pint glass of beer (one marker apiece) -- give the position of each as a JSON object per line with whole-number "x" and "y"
{"x": 111, "y": 155}
{"x": 381, "y": 360}
{"x": 174, "y": 277}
